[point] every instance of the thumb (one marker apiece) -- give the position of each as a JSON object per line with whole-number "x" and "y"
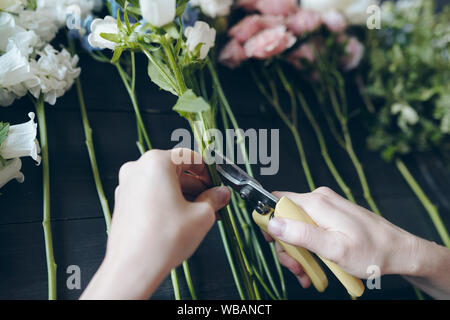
{"x": 214, "y": 199}
{"x": 304, "y": 235}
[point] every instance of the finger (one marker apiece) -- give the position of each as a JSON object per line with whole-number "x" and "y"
{"x": 293, "y": 265}
{"x": 304, "y": 235}
{"x": 191, "y": 185}
{"x": 304, "y": 280}
{"x": 214, "y": 199}
{"x": 267, "y": 236}
{"x": 319, "y": 206}
{"x": 188, "y": 160}
{"x": 287, "y": 261}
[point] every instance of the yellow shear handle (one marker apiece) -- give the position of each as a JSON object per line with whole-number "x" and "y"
{"x": 287, "y": 209}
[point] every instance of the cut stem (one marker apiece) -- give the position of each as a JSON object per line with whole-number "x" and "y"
{"x": 46, "y": 223}
{"x": 426, "y": 202}
{"x": 323, "y": 148}
{"x": 92, "y": 157}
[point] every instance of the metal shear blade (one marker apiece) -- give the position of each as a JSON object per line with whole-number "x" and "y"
{"x": 247, "y": 187}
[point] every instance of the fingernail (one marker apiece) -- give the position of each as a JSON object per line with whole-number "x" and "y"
{"x": 223, "y": 194}
{"x": 276, "y": 227}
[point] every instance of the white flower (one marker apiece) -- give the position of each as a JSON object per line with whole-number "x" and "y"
{"x": 203, "y": 34}
{"x": 21, "y": 141}
{"x": 158, "y": 12}
{"x": 11, "y": 171}
{"x": 42, "y": 22}
{"x": 56, "y": 72}
{"x": 214, "y": 8}
{"x": 13, "y": 6}
{"x": 14, "y": 68}
{"x": 355, "y": 11}
{"x": 407, "y": 115}
{"x": 99, "y": 26}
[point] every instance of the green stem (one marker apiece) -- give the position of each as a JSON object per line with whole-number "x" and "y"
{"x": 426, "y": 202}
{"x": 133, "y": 99}
{"x": 92, "y": 157}
{"x": 226, "y": 105}
{"x": 90, "y": 147}
{"x": 323, "y": 148}
{"x": 46, "y": 224}
{"x": 231, "y": 260}
{"x": 176, "y": 287}
{"x": 351, "y": 153}
{"x": 187, "y": 275}
{"x": 227, "y": 111}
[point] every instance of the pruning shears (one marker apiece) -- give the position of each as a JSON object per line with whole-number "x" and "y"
{"x": 266, "y": 206}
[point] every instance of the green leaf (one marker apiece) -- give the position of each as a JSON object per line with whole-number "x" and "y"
{"x": 158, "y": 79}
{"x": 113, "y": 37}
{"x": 4, "y": 130}
{"x": 117, "y": 54}
{"x": 189, "y": 103}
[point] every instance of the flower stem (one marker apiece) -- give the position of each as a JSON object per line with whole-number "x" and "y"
{"x": 426, "y": 202}
{"x": 351, "y": 152}
{"x": 187, "y": 275}
{"x": 46, "y": 224}
{"x": 227, "y": 111}
{"x": 275, "y": 102}
{"x": 323, "y": 148}
{"x": 90, "y": 147}
{"x": 176, "y": 287}
{"x": 92, "y": 157}
{"x": 133, "y": 98}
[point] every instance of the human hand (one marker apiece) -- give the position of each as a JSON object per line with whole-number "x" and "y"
{"x": 347, "y": 234}
{"x": 161, "y": 215}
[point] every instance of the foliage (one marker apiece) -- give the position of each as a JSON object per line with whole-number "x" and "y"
{"x": 410, "y": 79}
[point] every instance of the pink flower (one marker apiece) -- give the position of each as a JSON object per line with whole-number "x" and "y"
{"x": 248, "y": 5}
{"x": 304, "y": 52}
{"x": 251, "y": 25}
{"x": 246, "y": 28}
{"x": 277, "y": 7}
{"x": 304, "y": 21}
{"x": 269, "y": 43}
{"x": 354, "y": 53}
{"x": 334, "y": 21}
{"x": 233, "y": 54}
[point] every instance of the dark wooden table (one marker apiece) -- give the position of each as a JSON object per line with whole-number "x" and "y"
{"x": 77, "y": 223}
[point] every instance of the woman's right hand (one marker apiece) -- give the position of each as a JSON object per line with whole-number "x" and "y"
{"x": 355, "y": 239}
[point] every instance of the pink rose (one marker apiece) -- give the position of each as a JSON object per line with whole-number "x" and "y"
{"x": 277, "y": 7}
{"x": 269, "y": 43}
{"x": 251, "y": 25}
{"x": 334, "y": 21}
{"x": 354, "y": 53}
{"x": 304, "y": 21}
{"x": 248, "y": 5}
{"x": 304, "y": 52}
{"x": 233, "y": 54}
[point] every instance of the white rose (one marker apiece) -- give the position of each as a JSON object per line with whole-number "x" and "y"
{"x": 214, "y": 8}
{"x": 99, "y": 26}
{"x": 200, "y": 33}
{"x": 21, "y": 141}
{"x": 158, "y": 12}
{"x": 11, "y": 171}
